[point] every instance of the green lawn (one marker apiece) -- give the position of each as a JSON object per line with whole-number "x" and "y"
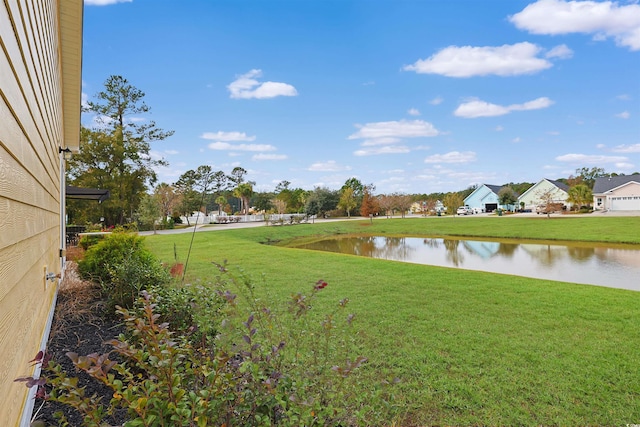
{"x": 469, "y": 348}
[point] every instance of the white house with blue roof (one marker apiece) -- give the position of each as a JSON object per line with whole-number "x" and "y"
{"x": 485, "y": 197}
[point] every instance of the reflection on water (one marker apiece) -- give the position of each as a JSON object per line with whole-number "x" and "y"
{"x": 569, "y": 262}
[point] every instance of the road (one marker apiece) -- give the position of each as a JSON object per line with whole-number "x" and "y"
{"x": 250, "y": 224}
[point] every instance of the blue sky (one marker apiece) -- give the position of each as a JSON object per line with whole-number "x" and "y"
{"x": 412, "y": 96}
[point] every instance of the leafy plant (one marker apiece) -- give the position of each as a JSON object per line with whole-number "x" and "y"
{"x": 89, "y": 240}
{"x": 123, "y": 267}
{"x": 193, "y": 312}
{"x": 261, "y": 367}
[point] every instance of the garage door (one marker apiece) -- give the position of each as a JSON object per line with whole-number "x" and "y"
{"x": 490, "y": 207}
{"x": 629, "y": 203}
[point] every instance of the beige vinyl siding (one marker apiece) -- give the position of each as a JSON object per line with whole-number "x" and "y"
{"x": 630, "y": 189}
{"x": 33, "y": 126}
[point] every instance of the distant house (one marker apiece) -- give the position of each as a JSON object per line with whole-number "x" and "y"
{"x": 558, "y": 191}
{"x": 485, "y": 197}
{"x": 41, "y": 84}
{"x": 617, "y": 193}
{"x": 419, "y": 207}
{"x": 416, "y": 207}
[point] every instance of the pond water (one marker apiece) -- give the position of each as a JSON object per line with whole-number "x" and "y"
{"x": 613, "y": 266}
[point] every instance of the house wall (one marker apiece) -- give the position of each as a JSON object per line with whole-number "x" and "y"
{"x": 631, "y": 189}
{"x": 531, "y": 197}
{"x": 35, "y": 121}
{"x": 625, "y": 197}
{"x": 480, "y": 197}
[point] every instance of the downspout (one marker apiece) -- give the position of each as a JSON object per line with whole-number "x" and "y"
{"x": 27, "y": 412}
{"x": 63, "y": 209}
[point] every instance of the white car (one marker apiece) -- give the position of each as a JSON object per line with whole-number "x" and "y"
{"x": 463, "y": 210}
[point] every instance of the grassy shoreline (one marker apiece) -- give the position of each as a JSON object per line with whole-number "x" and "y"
{"x": 468, "y": 347}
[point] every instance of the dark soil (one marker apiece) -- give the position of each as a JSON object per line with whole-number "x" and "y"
{"x": 81, "y": 326}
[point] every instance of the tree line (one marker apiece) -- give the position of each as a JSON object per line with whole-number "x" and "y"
{"x": 115, "y": 155}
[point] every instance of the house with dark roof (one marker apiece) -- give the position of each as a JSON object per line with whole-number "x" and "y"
{"x": 547, "y": 190}
{"x": 617, "y": 193}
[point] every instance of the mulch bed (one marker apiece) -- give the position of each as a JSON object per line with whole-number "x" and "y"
{"x": 80, "y": 326}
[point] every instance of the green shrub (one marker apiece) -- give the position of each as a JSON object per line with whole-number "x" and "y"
{"x": 123, "y": 267}
{"x": 193, "y": 311}
{"x": 87, "y": 241}
{"x": 266, "y": 367}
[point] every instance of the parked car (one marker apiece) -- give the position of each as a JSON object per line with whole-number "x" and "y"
{"x": 463, "y": 210}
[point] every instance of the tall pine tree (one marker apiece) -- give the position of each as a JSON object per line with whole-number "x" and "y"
{"x": 115, "y": 152}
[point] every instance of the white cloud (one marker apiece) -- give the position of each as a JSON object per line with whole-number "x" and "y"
{"x": 413, "y": 112}
{"x": 221, "y": 146}
{"x": 624, "y": 166}
{"x": 167, "y": 174}
{"x": 479, "y": 108}
{"x": 171, "y": 152}
{"x": 246, "y": 87}
{"x": 634, "y": 148}
{"x": 624, "y": 97}
{"x": 84, "y": 100}
{"x": 436, "y": 101}
{"x": 101, "y": 122}
{"x": 104, "y": 2}
{"x": 380, "y": 141}
{"x": 536, "y": 104}
{"x": 328, "y": 166}
{"x": 499, "y": 128}
{"x": 227, "y": 136}
{"x": 516, "y": 139}
{"x": 155, "y": 155}
{"x": 468, "y": 61}
{"x": 388, "y": 149}
{"x": 561, "y": 51}
{"x": 471, "y": 178}
{"x": 395, "y": 129}
{"x": 452, "y": 157}
{"x": 586, "y": 159}
{"x": 382, "y": 137}
{"x": 263, "y": 156}
{"x": 623, "y": 115}
{"x": 603, "y": 20}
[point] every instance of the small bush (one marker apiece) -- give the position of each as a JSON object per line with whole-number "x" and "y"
{"x": 123, "y": 267}
{"x": 193, "y": 311}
